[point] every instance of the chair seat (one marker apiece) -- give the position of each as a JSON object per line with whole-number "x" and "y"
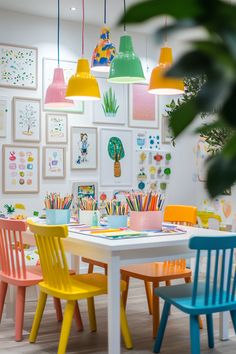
{"x": 181, "y": 297}
{"x": 82, "y": 286}
{"x": 159, "y": 271}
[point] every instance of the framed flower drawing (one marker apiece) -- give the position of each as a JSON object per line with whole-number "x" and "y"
{"x": 83, "y": 148}
{"x": 56, "y": 128}
{"x": 54, "y": 162}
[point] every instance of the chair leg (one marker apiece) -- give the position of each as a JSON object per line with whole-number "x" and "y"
{"x": 66, "y": 326}
{"x": 20, "y": 309}
{"x": 38, "y": 317}
{"x": 90, "y": 268}
{"x": 155, "y": 309}
{"x": 162, "y": 327}
{"x": 194, "y": 335}
{"x": 57, "y": 305}
{"x": 124, "y": 327}
{"x": 233, "y": 318}
{"x": 77, "y": 317}
{"x": 125, "y": 293}
{"x": 149, "y": 296}
{"x": 189, "y": 280}
{"x": 210, "y": 331}
{"x": 92, "y": 315}
{"x": 3, "y": 292}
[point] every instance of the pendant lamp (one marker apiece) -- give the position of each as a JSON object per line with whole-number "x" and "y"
{"x": 83, "y": 86}
{"x": 159, "y": 84}
{"x": 56, "y": 91}
{"x": 105, "y": 50}
{"x": 126, "y": 67}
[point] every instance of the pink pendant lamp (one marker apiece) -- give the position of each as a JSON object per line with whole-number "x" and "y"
{"x": 56, "y": 91}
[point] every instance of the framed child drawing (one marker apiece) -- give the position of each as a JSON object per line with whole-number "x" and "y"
{"x": 26, "y": 119}
{"x": 20, "y": 169}
{"x": 4, "y": 115}
{"x": 83, "y": 148}
{"x": 56, "y": 128}
{"x": 18, "y": 66}
{"x": 54, "y": 162}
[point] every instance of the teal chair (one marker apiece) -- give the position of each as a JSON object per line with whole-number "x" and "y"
{"x": 203, "y": 297}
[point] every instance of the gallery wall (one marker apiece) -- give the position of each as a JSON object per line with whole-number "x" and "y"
{"x": 40, "y": 32}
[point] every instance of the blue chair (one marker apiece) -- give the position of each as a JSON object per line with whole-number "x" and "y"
{"x": 203, "y": 297}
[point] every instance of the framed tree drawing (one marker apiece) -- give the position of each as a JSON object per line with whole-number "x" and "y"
{"x": 112, "y": 108}
{"x": 69, "y": 68}
{"x": 20, "y": 169}
{"x": 54, "y": 163}
{"x": 83, "y": 148}
{"x": 18, "y": 66}
{"x": 116, "y": 157}
{"x": 143, "y": 107}
{"x": 56, "y": 128}
{"x": 4, "y": 115}
{"x": 26, "y": 119}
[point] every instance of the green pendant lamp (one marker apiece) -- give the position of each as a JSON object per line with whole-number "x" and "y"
{"x": 83, "y": 86}
{"x": 126, "y": 67}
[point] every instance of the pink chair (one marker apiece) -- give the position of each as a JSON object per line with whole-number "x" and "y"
{"x": 15, "y": 272}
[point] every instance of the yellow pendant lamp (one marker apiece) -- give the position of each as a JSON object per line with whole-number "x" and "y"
{"x": 83, "y": 86}
{"x": 160, "y": 84}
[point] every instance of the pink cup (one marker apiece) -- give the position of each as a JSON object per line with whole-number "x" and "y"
{"x": 146, "y": 220}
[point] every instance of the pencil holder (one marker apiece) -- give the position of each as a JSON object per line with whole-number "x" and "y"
{"x": 57, "y": 216}
{"x": 146, "y": 220}
{"x": 117, "y": 221}
{"x": 87, "y": 217}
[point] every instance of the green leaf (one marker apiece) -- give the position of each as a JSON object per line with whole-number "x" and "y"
{"x": 206, "y": 128}
{"x": 229, "y": 149}
{"x": 228, "y": 111}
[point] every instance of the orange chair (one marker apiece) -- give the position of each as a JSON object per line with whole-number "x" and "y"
{"x": 15, "y": 272}
{"x": 155, "y": 273}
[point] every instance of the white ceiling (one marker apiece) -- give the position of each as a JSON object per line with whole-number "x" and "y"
{"x": 93, "y": 10}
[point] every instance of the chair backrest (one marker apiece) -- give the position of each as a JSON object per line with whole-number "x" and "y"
{"x": 181, "y": 214}
{"x": 12, "y": 257}
{"x": 52, "y": 255}
{"x": 222, "y": 289}
{"x": 213, "y": 224}
{"x": 20, "y": 206}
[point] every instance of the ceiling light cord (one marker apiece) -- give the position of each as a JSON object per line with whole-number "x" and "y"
{"x": 124, "y": 16}
{"x": 83, "y": 29}
{"x": 105, "y": 12}
{"x": 165, "y": 35}
{"x": 58, "y": 33}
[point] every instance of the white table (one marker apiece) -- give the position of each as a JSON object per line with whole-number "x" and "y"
{"x": 132, "y": 251}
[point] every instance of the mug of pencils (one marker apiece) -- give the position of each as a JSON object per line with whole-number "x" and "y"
{"x": 88, "y": 211}
{"x": 145, "y": 211}
{"x": 117, "y": 214}
{"x": 57, "y": 209}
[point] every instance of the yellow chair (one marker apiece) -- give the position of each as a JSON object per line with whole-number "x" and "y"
{"x": 59, "y": 284}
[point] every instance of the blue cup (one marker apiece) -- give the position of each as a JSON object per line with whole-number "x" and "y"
{"x": 57, "y": 216}
{"x": 117, "y": 221}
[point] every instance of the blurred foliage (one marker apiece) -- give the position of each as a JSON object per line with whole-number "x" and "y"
{"x": 213, "y": 56}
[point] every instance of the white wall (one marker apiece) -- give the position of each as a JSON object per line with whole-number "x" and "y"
{"x": 40, "y": 32}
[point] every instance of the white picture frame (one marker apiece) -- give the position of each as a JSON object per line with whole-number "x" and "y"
{"x": 4, "y": 115}
{"x": 111, "y": 173}
{"x": 54, "y": 162}
{"x": 112, "y": 108}
{"x": 56, "y": 128}
{"x": 69, "y": 68}
{"x": 18, "y": 66}
{"x": 167, "y": 135}
{"x": 26, "y": 119}
{"x": 20, "y": 169}
{"x": 83, "y": 148}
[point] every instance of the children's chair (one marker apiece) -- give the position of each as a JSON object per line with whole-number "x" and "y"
{"x": 59, "y": 284}
{"x": 15, "y": 272}
{"x": 205, "y": 296}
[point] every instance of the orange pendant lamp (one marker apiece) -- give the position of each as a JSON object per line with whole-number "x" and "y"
{"x": 160, "y": 84}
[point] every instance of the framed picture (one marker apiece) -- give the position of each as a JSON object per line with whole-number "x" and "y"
{"x": 54, "y": 162}
{"x": 146, "y": 139}
{"x": 4, "y": 115}
{"x": 83, "y": 189}
{"x": 18, "y": 66}
{"x": 56, "y": 128}
{"x": 116, "y": 157}
{"x": 166, "y": 130}
{"x": 69, "y": 68}
{"x": 112, "y": 108}
{"x": 20, "y": 169}
{"x": 83, "y": 148}
{"x": 26, "y": 119}
{"x": 143, "y": 107}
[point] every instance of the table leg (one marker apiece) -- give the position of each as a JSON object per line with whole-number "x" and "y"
{"x": 114, "y": 306}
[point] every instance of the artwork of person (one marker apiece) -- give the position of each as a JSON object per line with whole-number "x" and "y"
{"x": 83, "y": 146}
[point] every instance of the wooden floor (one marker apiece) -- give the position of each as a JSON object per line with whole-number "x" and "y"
{"x": 176, "y": 339}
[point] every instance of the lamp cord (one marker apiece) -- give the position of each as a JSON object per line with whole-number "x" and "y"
{"x": 105, "y": 12}
{"x": 124, "y": 16}
{"x": 58, "y": 32}
{"x": 83, "y": 29}
{"x": 165, "y": 36}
